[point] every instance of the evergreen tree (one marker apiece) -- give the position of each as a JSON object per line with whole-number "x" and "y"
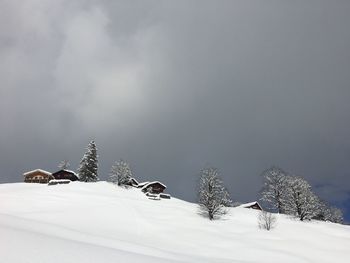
{"x": 213, "y": 196}
{"x": 120, "y": 173}
{"x": 274, "y": 188}
{"x": 88, "y": 165}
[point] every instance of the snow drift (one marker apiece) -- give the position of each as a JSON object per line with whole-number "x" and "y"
{"x": 99, "y": 222}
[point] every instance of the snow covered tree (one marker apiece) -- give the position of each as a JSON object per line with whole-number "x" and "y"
{"x": 64, "y": 165}
{"x": 88, "y": 165}
{"x": 120, "y": 173}
{"x": 329, "y": 213}
{"x": 336, "y": 215}
{"x": 213, "y": 198}
{"x": 301, "y": 201}
{"x": 274, "y": 188}
{"x": 266, "y": 220}
{"x": 323, "y": 211}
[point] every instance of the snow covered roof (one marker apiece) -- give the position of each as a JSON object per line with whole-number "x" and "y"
{"x": 68, "y": 171}
{"x": 37, "y": 170}
{"x": 143, "y": 184}
{"x": 132, "y": 178}
{"x": 150, "y": 183}
{"x": 247, "y": 205}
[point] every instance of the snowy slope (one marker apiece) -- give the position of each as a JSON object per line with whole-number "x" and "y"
{"x": 98, "y": 222}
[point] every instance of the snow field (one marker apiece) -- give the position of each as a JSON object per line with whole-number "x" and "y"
{"x": 100, "y": 222}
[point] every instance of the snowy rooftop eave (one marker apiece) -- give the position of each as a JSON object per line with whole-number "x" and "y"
{"x": 37, "y": 170}
{"x": 150, "y": 183}
{"x": 69, "y": 171}
{"x": 249, "y": 204}
{"x": 132, "y": 178}
{"x": 143, "y": 183}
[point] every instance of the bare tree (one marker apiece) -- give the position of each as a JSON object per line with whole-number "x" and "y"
{"x": 266, "y": 220}
{"x": 120, "y": 173}
{"x": 326, "y": 212}
{"x": 213, "y": 196}
{"x": 64, "y": 165}
{"x": 274, "y": 188}
{"x": 301, "y": 201}
{"x": 323, "y": 211}
{"x": 336, "y": 215}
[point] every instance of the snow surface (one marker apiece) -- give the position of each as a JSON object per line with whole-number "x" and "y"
{"x": 100, "y": 222}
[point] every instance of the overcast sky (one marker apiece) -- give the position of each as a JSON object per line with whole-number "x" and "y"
{"x": 174, "y": 86}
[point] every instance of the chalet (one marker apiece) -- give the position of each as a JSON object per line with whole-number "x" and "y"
{"x": 37, "y": 176}
{"x": 252, "y": 205}
{"x": 153, "y": 187}
{"x": 65, "y": 175}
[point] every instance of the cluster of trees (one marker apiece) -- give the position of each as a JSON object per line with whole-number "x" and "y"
{"x": 282, "y": 192}
{"x": 120, "y": 172}
{"x": 293, "y": 195}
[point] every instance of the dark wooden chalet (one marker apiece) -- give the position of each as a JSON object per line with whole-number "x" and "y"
{"x": 65, "y": 175}
{"x": 37, "y": 176}
{"x": 153, "y": 187}
{"x": 252, "y": 205}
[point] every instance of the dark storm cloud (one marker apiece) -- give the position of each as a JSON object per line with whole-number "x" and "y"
{"x": 173, "y": 86}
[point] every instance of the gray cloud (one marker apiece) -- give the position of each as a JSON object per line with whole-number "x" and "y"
{"x": 172, "y": 86}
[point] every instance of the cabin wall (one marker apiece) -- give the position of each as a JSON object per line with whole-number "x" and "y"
{"x": 37, "y": 177}
{"x": 255, "y": 207}
{"x": 155, "y": 188}
{"x": 65, "y": 175}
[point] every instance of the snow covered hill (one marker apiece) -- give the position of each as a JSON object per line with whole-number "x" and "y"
{"x": 99, "y": 222}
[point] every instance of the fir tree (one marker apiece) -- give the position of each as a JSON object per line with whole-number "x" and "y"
{"x": 88, "y": 164}
{"x": 213, "y": 196}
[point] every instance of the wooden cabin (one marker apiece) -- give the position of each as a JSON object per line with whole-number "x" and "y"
{"x": 153, "y": 187}
{"x": 65, "y": 175}
{"x": 252, "y": 205}
{"x": 37, "y": 176}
